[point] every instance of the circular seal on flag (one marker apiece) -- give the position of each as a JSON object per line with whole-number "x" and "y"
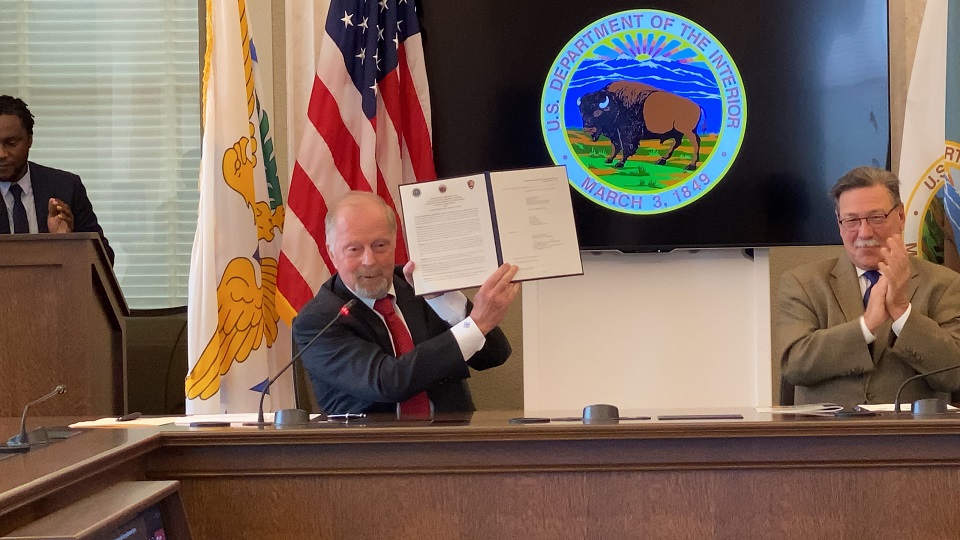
{"x": 928, "y": 231}
{"x": 646, "y": 109}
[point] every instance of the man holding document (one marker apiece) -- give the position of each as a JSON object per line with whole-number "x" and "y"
{"x": 395, "y": 351}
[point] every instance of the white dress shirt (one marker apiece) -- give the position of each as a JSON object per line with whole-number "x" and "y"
{"x": 27, "y": 186}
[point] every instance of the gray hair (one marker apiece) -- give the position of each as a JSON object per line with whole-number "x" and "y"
{"x": 867, "y": 177}
{"x": 352, "y": 198}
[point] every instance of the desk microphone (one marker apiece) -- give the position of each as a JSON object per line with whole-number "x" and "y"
{"x": 896, "y": 400}
{"x": 23, "y": 439}
{"x": 297, "y": 416}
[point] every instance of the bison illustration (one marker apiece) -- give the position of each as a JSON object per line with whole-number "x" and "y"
{"x": 629, "y": 112}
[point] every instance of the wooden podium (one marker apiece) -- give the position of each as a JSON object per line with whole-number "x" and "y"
{"x": 62, "y": 321}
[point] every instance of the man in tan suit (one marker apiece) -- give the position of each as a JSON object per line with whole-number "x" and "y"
{"x": 853, "y": 329}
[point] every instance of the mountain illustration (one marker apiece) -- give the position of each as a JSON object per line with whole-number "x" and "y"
{"x": 692, "y": 81}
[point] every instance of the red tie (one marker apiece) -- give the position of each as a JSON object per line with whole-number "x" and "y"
{"x": 418, "y": 405}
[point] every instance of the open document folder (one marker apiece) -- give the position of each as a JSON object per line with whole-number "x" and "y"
{"x": 459, "y": 230}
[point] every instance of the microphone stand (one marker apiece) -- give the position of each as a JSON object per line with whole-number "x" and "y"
{"x": 22, "y": 439}
{"x": 295, "y": 416}
{"x": 896, "y": 401}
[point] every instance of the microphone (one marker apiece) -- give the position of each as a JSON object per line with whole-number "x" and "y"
{"x": 23, "y": 439}
{"x": 297, "y": 416}
{"x": 896, "y": 400}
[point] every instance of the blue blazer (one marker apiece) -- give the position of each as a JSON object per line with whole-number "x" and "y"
{"x": 53, "y": 183}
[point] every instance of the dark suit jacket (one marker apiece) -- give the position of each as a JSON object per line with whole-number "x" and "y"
{"x": 825, "y": 355}
{"x": 352, "y": 367}
{"x": 48, "y": 183}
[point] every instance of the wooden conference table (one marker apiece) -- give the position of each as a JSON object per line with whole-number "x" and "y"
{"x": 761, "y": 477}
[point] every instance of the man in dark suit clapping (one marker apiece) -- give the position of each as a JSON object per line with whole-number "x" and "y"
{"x": 38, "y": 199}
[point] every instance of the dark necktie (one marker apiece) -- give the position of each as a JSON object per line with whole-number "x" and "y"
{"x": 418, "y": 405}
{"x": 20, "y": 223}
{"x": 872, "y": 277}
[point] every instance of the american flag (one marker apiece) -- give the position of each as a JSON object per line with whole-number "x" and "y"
{"x": 368, "y": 128}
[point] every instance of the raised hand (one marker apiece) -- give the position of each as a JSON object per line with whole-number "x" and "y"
{"x": 494, "y": 297}
{"x": 59, "y": 216}
{"x": 408, "y": 275}
{"x": 894, "y": 265}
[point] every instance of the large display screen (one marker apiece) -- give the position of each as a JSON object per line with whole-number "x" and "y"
{"x": 682, "y": 124}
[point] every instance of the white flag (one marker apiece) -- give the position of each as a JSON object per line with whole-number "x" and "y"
{"x": 235, "y": 341}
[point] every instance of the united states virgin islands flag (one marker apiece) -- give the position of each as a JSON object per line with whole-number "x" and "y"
{"x": 235, "y": 341}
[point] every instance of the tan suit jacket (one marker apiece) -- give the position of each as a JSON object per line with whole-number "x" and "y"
{"x": 824, "y": 353}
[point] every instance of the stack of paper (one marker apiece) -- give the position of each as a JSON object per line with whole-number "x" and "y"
{"x": 810, "y": 408}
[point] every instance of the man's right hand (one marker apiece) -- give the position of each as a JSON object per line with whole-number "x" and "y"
{"x": 895, "y": 266}
{"x": 408, "y": 275}
{"x": 494, "y": 297}
{"x": 59, "y": 216}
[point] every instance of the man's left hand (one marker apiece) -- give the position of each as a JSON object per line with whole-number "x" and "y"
{"x": 895, "y": 266}
{"x": 494, "y": 297}
{"x": 59, "y": 216}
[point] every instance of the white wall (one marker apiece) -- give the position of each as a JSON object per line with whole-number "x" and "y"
{"x": 681, "y": 329}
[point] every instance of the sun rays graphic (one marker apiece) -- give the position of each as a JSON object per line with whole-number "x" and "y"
{"x": 649, "y": 45}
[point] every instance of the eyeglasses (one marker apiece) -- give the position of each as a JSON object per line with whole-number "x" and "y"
{"x": 875, "y": 220}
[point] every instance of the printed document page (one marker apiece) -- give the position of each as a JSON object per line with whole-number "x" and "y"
{"x": 459, "y": 230}
{"x": 535, "y": 222}
{"x": 449, "y": 233}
